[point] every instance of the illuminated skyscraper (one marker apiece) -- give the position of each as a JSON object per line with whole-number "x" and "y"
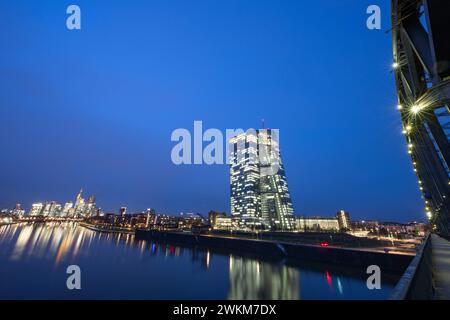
{"x": 18, "y": 211}
{"x": 67, "y": 208}
{"x": 51, "y": 209}
{"x": 260, "y": 197}
{"x": 90, "y": 207}
{"x": 343, "y": 220}
{"x": 80, "y": 204}
{"x": 91, "y": 199}
{"x": 36, "y": 209}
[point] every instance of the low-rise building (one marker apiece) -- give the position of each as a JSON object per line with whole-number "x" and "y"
{"x": 224, "y": 223}
{"x": 317, "y": 224}
{"x": 212, "y": 217}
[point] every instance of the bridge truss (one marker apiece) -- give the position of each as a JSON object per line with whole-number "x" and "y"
{"x": 421, "y": 49}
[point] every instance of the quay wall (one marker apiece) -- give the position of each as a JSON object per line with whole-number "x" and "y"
{"x": 393, "y": 263}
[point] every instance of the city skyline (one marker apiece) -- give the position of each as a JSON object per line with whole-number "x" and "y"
{"x": 105, "y": 124}
{"x": 62, "y": 208}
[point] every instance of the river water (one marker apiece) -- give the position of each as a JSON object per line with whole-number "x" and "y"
{"x": 34, "y": 259}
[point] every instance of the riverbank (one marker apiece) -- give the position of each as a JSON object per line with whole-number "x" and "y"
{"x": 360, "y": 258}
{"x": 161, "y": 269}
{"x": 106, "y": 229}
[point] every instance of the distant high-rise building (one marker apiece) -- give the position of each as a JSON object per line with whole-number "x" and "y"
{"x": 91, "y": 199}
{"x": 18, "y": 211}
{"x": 123, "y": 211}
{"x": 80, "y": 204}
{"x": 51, "y": 209}
{"x": 260, "y": 197}
{"x": 71, "y": 212}
{"x": 56, "y": 210}
{"x": 343, "y": 220}
{"x": 151, "y": 217}
{"x": 90, "y": 207}
{"x": 46, "y": 209}
{"x": 66, "y": 210}
{"x": 36, "y": 209}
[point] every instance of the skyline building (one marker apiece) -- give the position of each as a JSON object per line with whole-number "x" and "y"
{"x": 51, "y": 209}
{"x": 67, "y": 209}
{"x": 343, "y": 220}
{"x": 36, "y": 209}
{"x": 80, "y": 204}
{"x": 81, "y": 208}
{"x": 90, "y": 206}
{"x": 260, "y": 197}
{"x": 18, "y": 211}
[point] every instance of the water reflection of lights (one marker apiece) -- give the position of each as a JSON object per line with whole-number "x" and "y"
{"x": 53, "y": 240}
{"x": 253, "y": 279}
{"x": 21, "y": 243}
{"x": 328, "y": 276}
{"x": 339, "y": 285}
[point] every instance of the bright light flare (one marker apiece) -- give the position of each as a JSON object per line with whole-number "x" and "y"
{"x": 416, "y": 108}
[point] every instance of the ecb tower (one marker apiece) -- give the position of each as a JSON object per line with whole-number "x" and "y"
{"x": 260, "y": 198}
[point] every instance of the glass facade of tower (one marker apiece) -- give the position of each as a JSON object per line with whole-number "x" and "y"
{"x": 260, "y": 197}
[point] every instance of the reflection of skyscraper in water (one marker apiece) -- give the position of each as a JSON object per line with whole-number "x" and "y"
{"x": 253, "y": 279}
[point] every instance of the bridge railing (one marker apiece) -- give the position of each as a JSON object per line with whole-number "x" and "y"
{"x": 417, "y": 281}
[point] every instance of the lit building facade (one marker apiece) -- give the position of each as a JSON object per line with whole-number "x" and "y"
{"x": 80, "y": 204}
{"x": 36, "y": 209}
{"x": 67, "y": 209}
{"x": 260, "y": 197}
{"x": 18, "y": 211}
{"x": 212, "y": 217}
{"x": 224, "y": 223}
{"x": 340, "y": 222}
{"x": 317, "y": 224}
{"x": 83, "y": 208}
{"x": 343, "y": 220}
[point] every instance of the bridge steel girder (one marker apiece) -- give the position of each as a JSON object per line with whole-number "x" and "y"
{"x": 421, "y": 37}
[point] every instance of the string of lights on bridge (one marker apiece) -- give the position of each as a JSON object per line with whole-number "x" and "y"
{"x": 413, "y": 110}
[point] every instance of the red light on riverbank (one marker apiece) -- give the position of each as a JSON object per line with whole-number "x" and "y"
{"x": 324, "y": 244}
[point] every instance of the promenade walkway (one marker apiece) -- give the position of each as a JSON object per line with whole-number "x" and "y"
{"x": 441, "y": 267}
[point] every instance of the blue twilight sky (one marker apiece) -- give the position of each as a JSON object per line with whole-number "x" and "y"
{"x": 95, "y": 108}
